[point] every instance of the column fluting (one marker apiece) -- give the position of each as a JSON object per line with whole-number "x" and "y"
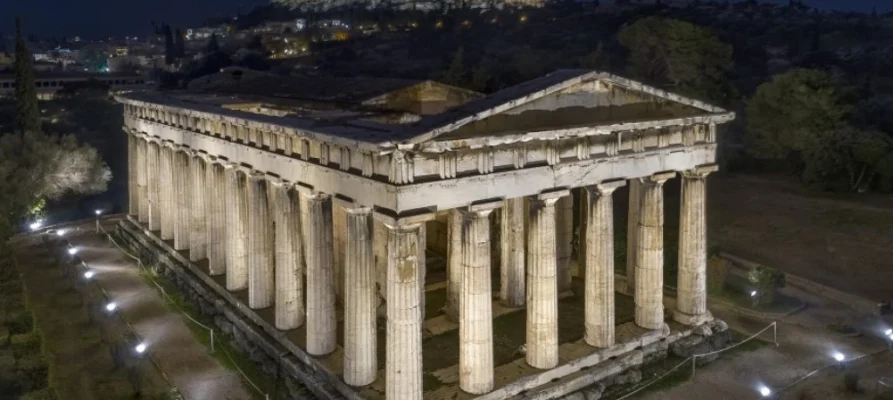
{"x": 236, "y": 229}
{"x": 321, "y": 323}
{"x": 599, "y": 260}
{"x": 289, "y": 258}
{"x": 360, "y": 325}
{"x": 198, "y": 234}
{"x": 691, "y": 300}
{"x": 260, "y": 244}
{"x": 512, "y": 275}
{"x": 650, "y": 254}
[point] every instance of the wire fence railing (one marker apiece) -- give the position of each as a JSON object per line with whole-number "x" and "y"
{"x": 693, "y": 359}
{"x": 145, "y": 271}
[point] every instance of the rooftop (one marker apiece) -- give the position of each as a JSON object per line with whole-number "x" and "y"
{"x": 386, "y": 113}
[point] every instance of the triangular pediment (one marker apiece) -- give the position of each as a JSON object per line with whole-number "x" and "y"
{"x": 564, "y": 99}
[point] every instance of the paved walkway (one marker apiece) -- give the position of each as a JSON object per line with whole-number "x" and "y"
{"x": 804, "y": 345}
{"x": 187, "y": 363}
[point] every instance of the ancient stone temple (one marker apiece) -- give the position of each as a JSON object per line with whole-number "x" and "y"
{"x": 409, "y": 240}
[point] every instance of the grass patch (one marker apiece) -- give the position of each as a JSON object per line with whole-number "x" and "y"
{"x": 222, "y": 344}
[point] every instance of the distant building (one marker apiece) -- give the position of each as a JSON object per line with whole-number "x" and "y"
{"x": 49, "y": 83}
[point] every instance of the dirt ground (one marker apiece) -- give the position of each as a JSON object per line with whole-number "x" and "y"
{"x": 844, "y": 241}
{"x": 77, "y": 350}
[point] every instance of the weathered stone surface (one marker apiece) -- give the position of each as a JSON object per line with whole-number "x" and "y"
{"x": 542, "y": 283}
{"x": 513, "y": 258}
{"x": 261, "y": 291}
{"x": 182, "y": 204}
{"x": 454, "y": 265}
{"x": 360, "y": 322}
{"x": 691, "y": 300}
{"x": 321, "y": 324}
{"x": 236, "y": 229}
{"x": 649, "y": 279}
{"x": 289, "y": 258}
{"x": 599, "y": 259}
{"x": 198, "y": 214}
{"x": 475, "y": 316}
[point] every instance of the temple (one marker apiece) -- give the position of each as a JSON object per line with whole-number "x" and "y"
{"x": 330, "y": 212}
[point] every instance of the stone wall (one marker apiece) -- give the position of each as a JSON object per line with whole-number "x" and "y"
{"x": 246, "y": 335}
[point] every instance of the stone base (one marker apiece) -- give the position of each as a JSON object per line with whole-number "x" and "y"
{"x": 692, "y": 320}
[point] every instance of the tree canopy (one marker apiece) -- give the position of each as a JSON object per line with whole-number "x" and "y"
{"x": 688, "y": 58}
{"x": 27, "y": 109}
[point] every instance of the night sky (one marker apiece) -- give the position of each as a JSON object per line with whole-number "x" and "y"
{"x": 103, "y": 18}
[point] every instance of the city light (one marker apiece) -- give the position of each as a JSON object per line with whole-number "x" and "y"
{"x": 140, "y": 348}
{"x": 72, "y": 250}
{"x": 111, "y": 306}
{"x": 35, "y": 225}
{"x": 89, "y": 274}
{"x": 765, "y": 392}
{"x": 838, "y": 356}
{"x": 888, "y": 332}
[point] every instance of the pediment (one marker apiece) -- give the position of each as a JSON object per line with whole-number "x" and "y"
{"x": 565, "y": 99}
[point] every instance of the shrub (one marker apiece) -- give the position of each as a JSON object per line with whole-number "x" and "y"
{"x": 42, "y": 394}
{"x": 851, "y": 382}
{"x": 20, "y": 323}
{"x": 767, "y": 282}
{"x": 717, "y": 270}
{"x": 32, "y": 372}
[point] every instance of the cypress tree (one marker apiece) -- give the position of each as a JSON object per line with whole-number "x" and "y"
{"x": 213, "y": 47}
{"x": 169, "y": 54}
{"x": 179, "y": 46}
{"x": 27, "y": 109}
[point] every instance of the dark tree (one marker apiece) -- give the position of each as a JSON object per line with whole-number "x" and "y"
{"x": 27, "y": 109}
{"x": 179, "y": 45}
{"x": 213, "y": 47}
{"x": 169, "y": 52}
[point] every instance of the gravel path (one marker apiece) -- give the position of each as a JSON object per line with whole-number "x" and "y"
{"x": 187, "y": 363}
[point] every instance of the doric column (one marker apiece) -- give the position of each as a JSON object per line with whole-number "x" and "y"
{"x": 691, "y": 300}
{"x": 360, "y": 327}
{"x": 153, "y": 171}
{"x": 142, "y": 188}
{"x": 339, "y": 238}
{"x": 166, "y": 193}
{"x": 564, "y": 237}
{"x": 289, "y": 258}
{"x": 599, "y": 259}
{"x": 650, "y": 253}
{"x": 512, "y": 279}
{"x": 183, "y": 204}
{"x": 542, "y": 282}
{"x": 215, "y": 206}
{"x": 476, "y": 315}
{"x": 133, "y": 161}
{"x": 260, "y": 244}
{"x": 321, "y": 323}
{"x": 632, "y": 234}
{"x": 403, "y": 371}
{"x": 236, "y": 229}
{"x": 198, "y": 215}
{"x": 454, "y": 264}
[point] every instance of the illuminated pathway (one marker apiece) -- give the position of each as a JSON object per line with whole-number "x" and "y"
{"x": 188, "y": 364}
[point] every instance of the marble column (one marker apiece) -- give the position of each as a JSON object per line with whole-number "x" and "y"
{"x": 542, "y": 282}
{"x": 289, "y": 258}
{"x": 236, "y": 229}
{"x": 198, "y": 216}
{"x": 142, "y": 183}
{"x": 650, "y": 253}
{"x": 360, "y": 326}
{"x": 166, "y": 192}
{"x": 403, "y": 371}
{"x": 339, "y": 238}
{"x": 132, "y": 162}
{"x": 215, "y": 206}
{"x": 564, "y": 237}
{"x": 454, "y": 264}
{"x": 691, "y": 297}
{"x": 476, "y": 310}
{"x": 599, "y": 260}
{"x": 632, "y": 234}
{"x": 153, "y": 194}
{"x": 260, "y": 244}
{"x": 321, "y": 323}
{"x": 182, "y": 218}
{"x": 511, "y": 271}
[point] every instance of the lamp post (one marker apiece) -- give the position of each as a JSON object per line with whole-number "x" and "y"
{"x": 98, "y": 213}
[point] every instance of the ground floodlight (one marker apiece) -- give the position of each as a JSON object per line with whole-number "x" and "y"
{"x": 60, "y": 232}
{"x": 753, "y": 293}
{"x": 888, "y": 332}
{"x": 838, "y": 356}
{"x": 89, "y": 274}
{"x": 765, "y": 392}
{"x": 98, "y": 212}
{"x": 890, "y": 336}
{"x": 140, "y": 348}
{"x": 72, "y": 250}
{"x": 35, "y": 225}
{"x": 111, "y": 306}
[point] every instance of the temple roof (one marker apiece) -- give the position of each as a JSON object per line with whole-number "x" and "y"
{"x": 574, "y": 102}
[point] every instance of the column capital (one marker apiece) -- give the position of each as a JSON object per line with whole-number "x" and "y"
{"x": 402, "y": 222}
{"x": 700, "y": 172}
{"x": 309, "y": 192}
{"x": 549, "y": 198}
{"x": 605, "y": 188}
{"x": 483, "y": 209}
{"x": 658, "y": 178}
{"x": 350, "y": 206}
